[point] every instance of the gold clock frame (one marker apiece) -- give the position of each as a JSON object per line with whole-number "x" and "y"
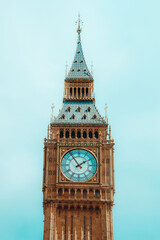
{"x": 93, "y": 180}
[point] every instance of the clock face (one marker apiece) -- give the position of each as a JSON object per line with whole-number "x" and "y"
{"x": 78, "y": 165}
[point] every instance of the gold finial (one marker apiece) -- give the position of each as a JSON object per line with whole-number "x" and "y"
{"x": 48, "y": 132}
{"x": 92, "y": 68}
{"x": 106, "y": 116}
{"x": 52, "y": 107}
{"x": 109, "y": 132}
{"x": 66, "y": 71}
{"x": 79, "y": 23}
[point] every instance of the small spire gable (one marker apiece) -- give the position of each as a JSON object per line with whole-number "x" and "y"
{"x": 79, "y": 67}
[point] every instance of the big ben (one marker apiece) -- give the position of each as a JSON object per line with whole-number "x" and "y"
{"x": 78, "y": 170}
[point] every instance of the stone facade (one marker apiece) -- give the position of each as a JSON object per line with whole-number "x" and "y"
{"x": 78, "y": 210}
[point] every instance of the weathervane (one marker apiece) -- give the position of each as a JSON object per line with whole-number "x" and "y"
{"x": 79, "y": 23}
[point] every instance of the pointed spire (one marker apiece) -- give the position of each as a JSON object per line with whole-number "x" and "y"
{"x": 79, "y": 22}
{"x": 79, "y": 69}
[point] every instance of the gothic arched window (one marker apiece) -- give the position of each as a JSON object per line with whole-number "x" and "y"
{"x": 73, "y": 134}
{"x": 68, "y": 109}
{"x": 78, "y": 134}
{"x": 63, "y": 116}
{"x": 70, "y": 92}
{"x": 72, "y": 192}
{"x": 74, "y": 92}
{"x": 88, "y": 109}
{"x": 84, "y": 134}
{"x": 84, "y": 116}
{"x": 86, "y": 92}
{"x": 67, "y": 134}
{"x": 82, "y": 92}
{"x": 94, "y": 116}
{"x": 61, "y": 133}
{"x": 79, "y": 92}
{"x": 84, "y": 193}
{"x": 97, "y": 193}
{"x": 96, "y": 134}
{"x": 73, "y": 116}
{"x": 78, "y": 109}
{"x": 90, "y": 134}
{"x": 60, "y": 192}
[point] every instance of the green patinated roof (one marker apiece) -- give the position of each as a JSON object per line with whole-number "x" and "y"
{"x": 79, "y": 67}
{"x": 66, "y": 117}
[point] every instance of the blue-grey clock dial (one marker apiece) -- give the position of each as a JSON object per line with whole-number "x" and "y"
{"x": 78, "y": 165}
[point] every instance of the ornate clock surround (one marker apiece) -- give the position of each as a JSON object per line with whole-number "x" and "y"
{"x": 95, "y": 151}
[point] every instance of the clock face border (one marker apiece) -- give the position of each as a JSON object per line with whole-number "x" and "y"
{"x": 74, "y": 157}
{"x": 95, "y": 179}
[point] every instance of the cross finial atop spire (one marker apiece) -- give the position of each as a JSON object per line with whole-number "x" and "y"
{"x": 79, "y": 23}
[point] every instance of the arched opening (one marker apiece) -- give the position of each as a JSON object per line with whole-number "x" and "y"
{"x": 84, "y": 116}
{"x": 70, "y": 92}
{"x": 73, "y": 134}
{"x": 73, "y": 116}
{"x": 68, "y": 109}
{"x": 63, "y": 116}
{"x": 78, "y": 109}
{"x": 88, "y": 109}
{"x": 66, "y": 192}
{"x": 74, "y": 92}
{"x": 84, "y": 134}
{"x": 61, "y": 133}
{"x": 84, "y": 193}
{"x": 91, "y": 193}
{"x": 94, "y": 116}
{"x": 72, "y": 192}
{"x": 84, "y": 207}
{"x": 83, "y": 92}
{"x": 78, "y": 134}
{"x": 90, "y": 134}
{"x": 65, "y": 207}
{"x": 97, "y": 208}
{"x": 59, "y": 207}
{"x": 60, "y": 192}
{"x": 91, "y": 208}
{"x": 96, "y": 134}
{"x": 67, "y": 134}
{"x": 97, "y": 193}
{"x": 86, "y": 92}
{"x": 72, "y": 207}
{"x": 78, "y": 193}
{"x": 78, "y": 207}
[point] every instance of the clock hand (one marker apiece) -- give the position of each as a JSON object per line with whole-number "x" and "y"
{"x": 81, "y": 163}
{"x": 76, "y": 161}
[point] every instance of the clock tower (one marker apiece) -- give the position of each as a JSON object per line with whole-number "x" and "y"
{"x": 78, "y": 171}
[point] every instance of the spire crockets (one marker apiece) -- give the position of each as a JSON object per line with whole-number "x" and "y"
{"x": 79, "y": 69}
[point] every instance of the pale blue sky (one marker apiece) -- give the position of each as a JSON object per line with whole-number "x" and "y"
{"x": 122, "y": 38}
